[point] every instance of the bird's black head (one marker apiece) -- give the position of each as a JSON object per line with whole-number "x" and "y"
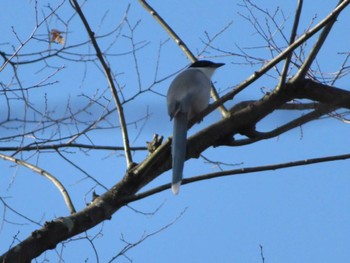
{"x": 206, "y": 64}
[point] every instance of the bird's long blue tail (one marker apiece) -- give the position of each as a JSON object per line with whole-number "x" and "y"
{"x": 178, "y": 150}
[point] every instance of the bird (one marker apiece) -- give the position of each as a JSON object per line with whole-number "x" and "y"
{"x": 188, "y": 95}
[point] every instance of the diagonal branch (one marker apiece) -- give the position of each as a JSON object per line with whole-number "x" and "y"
{"x": 291, "y": 40}
{"x": 317, "y": 47}
{"x": 49, "y": 176}
{"x": 111, "y": 84}
{"x": 183, "y": 46}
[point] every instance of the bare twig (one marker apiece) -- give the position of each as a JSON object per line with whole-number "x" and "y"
{"x": 130, "y": 245}
{"x": 81, "y": 170}
{"x": 343, "y": 69}
{"x": 7, "y": 206}
{"x": 262, "y": 253}
{"x": 49, "y": 176}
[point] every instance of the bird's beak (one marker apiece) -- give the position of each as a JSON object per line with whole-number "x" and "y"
{"x": 218, "y": 65}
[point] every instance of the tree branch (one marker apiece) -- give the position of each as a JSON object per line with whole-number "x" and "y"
{"x": 291, "y": 40}
{"x": 39, "y": 147}
{"x": 267, "y": 167}
{"x": 49, "y": 176}
{"x": 111, "y": 84}
{"x": 258, "y": 136}
{"x": 241, "y": 171}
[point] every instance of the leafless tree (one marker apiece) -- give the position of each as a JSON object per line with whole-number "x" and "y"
{"x": 33, "y": 132}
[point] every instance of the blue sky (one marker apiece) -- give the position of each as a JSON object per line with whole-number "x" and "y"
{"x": 298, "y": 215}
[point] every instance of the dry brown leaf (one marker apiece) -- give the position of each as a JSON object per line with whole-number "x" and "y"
{"x": 56, "y": 36}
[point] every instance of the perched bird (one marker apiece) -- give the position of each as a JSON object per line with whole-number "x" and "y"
{"x": 188, "y": 95}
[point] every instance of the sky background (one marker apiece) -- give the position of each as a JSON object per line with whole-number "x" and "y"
{"x": 300, "y": 214}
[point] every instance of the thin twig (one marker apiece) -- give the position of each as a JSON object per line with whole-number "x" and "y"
{"x": 262, "y": 253}
{"x": 6, "y": 206}
{"x": 81, "y": 170}
{"x": 49, "y": 176}
{"x": 145, "y": 236}
{"x": 341, "y": 70}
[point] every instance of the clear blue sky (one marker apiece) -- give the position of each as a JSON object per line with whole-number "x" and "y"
{"x": 298, "y": 215}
